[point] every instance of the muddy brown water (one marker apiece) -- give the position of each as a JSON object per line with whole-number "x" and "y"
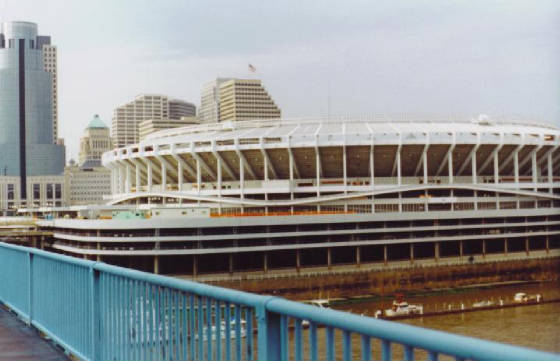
{"x": 535, "y": 326}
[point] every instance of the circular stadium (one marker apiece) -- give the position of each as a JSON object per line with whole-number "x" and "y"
{"x": 279, "y": 195}
{"x": 350, "y": 165}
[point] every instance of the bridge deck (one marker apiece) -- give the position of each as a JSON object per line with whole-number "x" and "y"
{"x": 19, "y": 342}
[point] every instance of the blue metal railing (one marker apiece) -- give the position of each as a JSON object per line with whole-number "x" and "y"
{"x": 102, "y": 312}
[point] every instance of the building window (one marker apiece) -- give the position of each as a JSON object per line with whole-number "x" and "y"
{"x": 57, "y": 191}
{"x": 49, "y": 190}
{"x": 31, "y": 44}
{"x": 11, "y": 191}
{"x": 36, "y": 191}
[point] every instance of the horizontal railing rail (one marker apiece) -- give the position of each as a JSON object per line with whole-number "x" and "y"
{"x": 101, "y": 312}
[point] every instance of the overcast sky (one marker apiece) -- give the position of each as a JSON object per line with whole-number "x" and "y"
{"x": 368, "y": 57}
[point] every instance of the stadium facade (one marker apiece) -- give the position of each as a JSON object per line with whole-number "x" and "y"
{"x": 276, "y": 194}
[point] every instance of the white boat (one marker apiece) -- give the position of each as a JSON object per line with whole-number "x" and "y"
{"x": 403, "y": 308}
{"x": 486, "y": 303}
{"x": 321, "y": 303}
{"x": 522, "y": 297}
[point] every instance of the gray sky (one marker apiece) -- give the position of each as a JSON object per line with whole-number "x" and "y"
{"x": 415, "y": 57}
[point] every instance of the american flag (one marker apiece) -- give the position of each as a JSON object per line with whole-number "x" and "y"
{"x": 252, "y": 69}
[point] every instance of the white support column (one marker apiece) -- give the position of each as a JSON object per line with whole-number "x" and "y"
{"x": 425, "y": 167}
{"x": 450, "y": 167}
{"x": 372, "y": 176}
{"x": 473, "y": 163}
{"x": 121, "y": 179}
{"x": 496, "y": 168}
{"x": 534, "y": 168}
{"x": 496, "y": 178}
{"x": 113, "y": 184}
{"x": 117, "y": 179}
{"x": 128, "y": 179}
{"x": 179, "y": 176}
{"x": 424, "y": 150}
{"x": 137, "y": 182}
{"x": 265, "y": 170}
{"x": 198, "y": 176}
{"x": 270, "y": 166}
{"x": 318, "y": 171}
{"x": 241, "y": 178}
{"x": 163, "y": 177}
{"x": 114, "y": 179}
{"x": 291, "y": 164}
{"x": 219, "y": 167}
{"x": 549, "y": 173}
{"x": 516, "y": 173}
{"x": 516, "y": 168}
{"x": 345, "y": 176}
{"x": 265, "y": 173}
{"x": 344, "y": 170}
{"x": 150, "y": 175}
{"x": 448, "y": 154}
{"x": 371, "y": 169}
{"x": 399, "y": 177}
{"x": 219, "y": 170}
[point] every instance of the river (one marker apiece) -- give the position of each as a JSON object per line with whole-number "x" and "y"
{"x": 535, "y": 326}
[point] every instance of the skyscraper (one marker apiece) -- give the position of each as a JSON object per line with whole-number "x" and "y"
{"x": 209, "y": 111}
{"x": 50, "y": 64}
{"x": 146, "y": 106}
{"x": 246, "y": 99}
{"x": 27, "y": 148}
{"x": 236, "y": 99}
{"x": 180, "y": 108}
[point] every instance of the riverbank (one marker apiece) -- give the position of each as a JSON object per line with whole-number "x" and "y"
{"x": 417, "y": 278}
{"x": 459, "y": 300}
{"x": 465, "y": 309}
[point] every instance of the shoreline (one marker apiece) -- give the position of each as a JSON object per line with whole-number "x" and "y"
{"x": 469, "y": 309}
{"x": 428, "y": 292}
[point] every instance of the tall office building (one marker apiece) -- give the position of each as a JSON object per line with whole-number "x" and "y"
{"x": 50, "y": 64}
{"x": 95, "y": 141}
{"x": 236, "y": 99}
{"x": 245, "y": 99}
{"x": 180, "y": 108}
{"x": 27, "y": 147}
{"x": 209, "y": 111}
{"x": 127, "y": 117}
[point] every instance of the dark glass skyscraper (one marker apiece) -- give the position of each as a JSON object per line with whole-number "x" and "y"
{"x": 26, "y": 134}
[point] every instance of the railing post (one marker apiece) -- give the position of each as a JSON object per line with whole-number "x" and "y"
{"x": 268, "y": 333}
{"x": 30, "y": 285}
{"x": 95, "y": 319}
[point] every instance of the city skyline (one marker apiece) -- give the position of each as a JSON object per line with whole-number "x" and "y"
{"x": 389, "y": 58}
